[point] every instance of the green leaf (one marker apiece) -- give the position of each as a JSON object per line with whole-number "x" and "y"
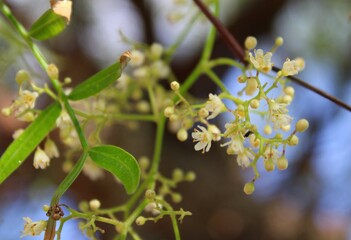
{"x": 120, "y": 163}
{"x": 20, "y": 148}
{"x": 48, "y": 25}
{"x": 97, "y": 82}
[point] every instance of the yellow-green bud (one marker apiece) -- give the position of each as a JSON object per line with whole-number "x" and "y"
{"x": 267, "y": 129}
{"x": 176, "y": 197}
{"x": 269, "y": 165}
{"x": 251, "y": 86}
{"x": 241, "y": 79}
{"x": 301, "y": 125}
{"x": 143, "y": 106}
{"x": 254, "y": 103}
{"x": 22, "y": 76}
{"x": 140, "y": 221}
{"x": 175, "y": 86}
{"x": 282, "y": 163}
{"x": 287, "y": 99}
{"x": 294, "y": 140}
{"x": 94, "y": 204}
{"x": 67, "y": 80}
{"x": 168, "y": 111}
{"x": 6, "y": 111}
{"x": 190, "y": 176}
{"x": 249, "y": 188}
{"x": 83, "y": 206}
{"x": 250, "y": 42}
{"x": 150, "y": 194}
{"x": 300, "y": 62}
{"x": 52, "y": 71}
{"x": 279, "y": 41}
{"x": 279, "y": 136}
{"x": 144, "y": 162}
{"x": 46, "y": 208}
{"x": 182, "y": 134}
{"x": 290, "y": 91}
{"x": 178, "y": 174}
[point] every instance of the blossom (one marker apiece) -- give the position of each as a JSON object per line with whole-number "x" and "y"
{"x": 41, "y": 159}
{"x": 290, "y": 68}
{"x": 214, "y": 105}
{"x": 204, "y": 137}
{"x": 235, "y": 145}
{"x": 137, "y": 58}
{"x": 51, "y": 149}
{"x": 261, "y": 61}
{"x": 278, "y": 114}
{"x": 33, "y": 228}
{"x": 271, "y": 153}
{"x": 26, "y": 99}
{"x": 243, "y": 158}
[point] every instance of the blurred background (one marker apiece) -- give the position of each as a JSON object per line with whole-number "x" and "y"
{"x": 309, "y": 200}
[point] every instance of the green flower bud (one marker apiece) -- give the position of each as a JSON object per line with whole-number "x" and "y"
{"x": 178, "y": 174}
{"x": 22, "y": 76}
{"x": 175, "y": 86}
{"x": 150, "y": 194}
{"x": 250, "y": 42}
{"x": 249, "y": 188}
{"x": 140, "y": 221}
{"x": 269, "y": 165}
{"x": 176, "y": 197}
{"x": 294, "y": 140}
{"x": 190, "y": 176}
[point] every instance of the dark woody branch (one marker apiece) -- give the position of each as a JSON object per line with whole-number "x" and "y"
{"x": 239, "y": 53}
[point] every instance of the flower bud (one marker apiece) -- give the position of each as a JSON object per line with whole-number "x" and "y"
{"x": 285, "y": 128}
{"x": 301, "y": 125}
{"x": 156, "y": 50}
{"x": 46, "y": 208}
{"x": 6, "y": 111}
{"x": 182, "y": 135}
{"x": 267, "y": 129}
{"x": 300, "y": 62}
{"x": 22, "y": 76}
{"x": 168, "y": 111}
{"x": 269, "y": 165}
{"x": 279, "y": 41}
{"x": 251, "y": 86}
{"x": 178, "y": 174}
{"x": 190, "y": 176}
{"x": 282, "y": 163}
{"x": 249, "y": 188}
{"x": 175, "y": 86}
{"x": 144, "y": 162}
{"x": 67, "y": 80}
{"x": 294, "y": 140}
{"x": 94, "y": 204}
{"x": 140, "y": 221}
{"x": 176, "y": 197}
{"x": 254, "y": 103}
{"x": 203, "y": 113}
{"x": 289, "y": 91}
{"x": 150, "y": 194}
{"x": 52, "y": 71}
{"x": 250, "y": 42}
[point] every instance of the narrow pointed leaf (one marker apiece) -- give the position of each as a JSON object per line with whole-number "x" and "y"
{"x": 120, "y": 163}
{"x": 22, "y": 147}
{"x": 97, "y": 82}
{"x": 48, "y": 25}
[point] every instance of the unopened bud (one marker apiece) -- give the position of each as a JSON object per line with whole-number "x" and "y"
{"x": 22, "y": 76}
{"x": 254, "y": 103}
{"x": 267, "y": 129}
{"x": 150, "y": 194}
{"x": 176, "y": 197}
{"x": 182, "y": 135}
{"x": 140, "y": 221}
{"x": 250, "y": 42}
{"x": 269, "y": 165}
{"x": 279, "y": 41}
{"x": 190, "y": 176}
{"x": 94, "y": 204}
{"x": 52, "y": 71}
{"x": 294, "y": 140}
{"x": 175, "y": 86}
{"x": 302, "y": 125}
{"x": 178, "y": 174}
{"x": 282, "y": 163}
{"x": 168, "y": 111}
{"x": 249, "y": 188}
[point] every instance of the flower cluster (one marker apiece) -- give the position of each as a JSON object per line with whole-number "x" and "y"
{"x": 243, "y": 137}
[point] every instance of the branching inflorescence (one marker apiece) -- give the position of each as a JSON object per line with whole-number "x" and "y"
{"x": 81, "y": 113}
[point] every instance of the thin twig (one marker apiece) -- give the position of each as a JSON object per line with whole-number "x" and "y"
{"x": 239, "y": 53}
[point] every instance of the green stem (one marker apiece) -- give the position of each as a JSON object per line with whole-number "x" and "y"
{"x": 24, "y": 34}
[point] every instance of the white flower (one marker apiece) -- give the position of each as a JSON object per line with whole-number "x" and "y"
{"x": 261, "y": 61}
{"x": 235, "y": 145}
{"x": 203, "y": 138}
{"x": 137, "y": 58}
{"x": 278, "y": 114}
{"x": 41, "y": 159}
{"x": 33, "y": 228}
{"x": 51, "y": 149}
{"x": 153, "y": 208}
{"x": 26, "y": 99}
{"x": 243, "y": 158}
{"x": 214, "y": 105}
{"x": 290, "y": 68}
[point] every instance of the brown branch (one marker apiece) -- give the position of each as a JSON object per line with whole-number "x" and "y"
{"x": 239, "y": 53}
